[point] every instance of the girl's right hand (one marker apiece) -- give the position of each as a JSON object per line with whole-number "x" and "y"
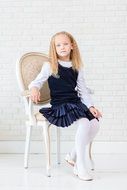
{"x": 35, "y": 94}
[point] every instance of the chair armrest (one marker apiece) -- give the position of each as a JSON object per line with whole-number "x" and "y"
{"x": 29, "y": 107}
{"x": 31, "y": 115}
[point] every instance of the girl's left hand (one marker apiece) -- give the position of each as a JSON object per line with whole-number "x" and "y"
{"x": 95, "y": 112}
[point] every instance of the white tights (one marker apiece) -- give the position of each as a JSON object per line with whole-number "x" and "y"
{"x": 86, "y": 131}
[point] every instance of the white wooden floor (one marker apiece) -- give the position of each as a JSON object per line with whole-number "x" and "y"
{"x": 14, "y": 177}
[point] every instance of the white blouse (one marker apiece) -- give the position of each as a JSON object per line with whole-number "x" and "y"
{"x": 81, "y": 86}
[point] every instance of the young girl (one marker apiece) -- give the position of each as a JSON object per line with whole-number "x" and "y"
{"x": 70, "y": 101}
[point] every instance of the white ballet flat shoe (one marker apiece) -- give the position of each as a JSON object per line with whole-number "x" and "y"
{"x": 69, "y": 160}
{"x": 85, "y": 176}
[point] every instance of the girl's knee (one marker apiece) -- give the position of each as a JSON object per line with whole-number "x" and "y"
{"x": 84, "y": 120}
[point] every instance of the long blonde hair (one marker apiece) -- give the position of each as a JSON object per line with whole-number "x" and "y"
{"x": 74, "y": 54}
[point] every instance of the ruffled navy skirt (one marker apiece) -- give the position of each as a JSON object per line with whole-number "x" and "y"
{"x": 65, "y": 114}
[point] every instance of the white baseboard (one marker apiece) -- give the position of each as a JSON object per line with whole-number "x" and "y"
{"x": 107, "y": 155}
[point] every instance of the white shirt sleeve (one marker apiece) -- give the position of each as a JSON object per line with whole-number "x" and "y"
{"x": 82, "y": 90}
{"x": 41, "y": 77}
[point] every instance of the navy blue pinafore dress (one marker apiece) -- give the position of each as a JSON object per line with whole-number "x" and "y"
{"x": 66, "y": 104}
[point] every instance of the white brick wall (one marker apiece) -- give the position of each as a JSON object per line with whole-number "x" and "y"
{"x": 100, "y": 29}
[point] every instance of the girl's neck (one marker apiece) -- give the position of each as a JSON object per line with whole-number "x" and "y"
{"x": 64, "y": 59}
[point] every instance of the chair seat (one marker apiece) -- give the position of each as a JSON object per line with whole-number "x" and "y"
{"x": 40, "y": 117}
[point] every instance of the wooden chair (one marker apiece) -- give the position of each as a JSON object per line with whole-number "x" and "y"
{"x": 27, "y": 68}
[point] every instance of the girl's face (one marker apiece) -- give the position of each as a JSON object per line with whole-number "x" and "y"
{"x": 63, "y": 47}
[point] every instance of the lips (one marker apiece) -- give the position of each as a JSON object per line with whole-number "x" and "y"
{"x": 63, "y": 52}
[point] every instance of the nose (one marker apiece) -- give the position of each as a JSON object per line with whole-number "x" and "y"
{"x": 62, "y": 46}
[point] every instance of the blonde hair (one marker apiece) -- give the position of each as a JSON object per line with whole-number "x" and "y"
{"x": 74, "y": 54}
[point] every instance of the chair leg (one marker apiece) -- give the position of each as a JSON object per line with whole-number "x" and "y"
{"x": 47, "y": 147}
{"x": 58, "y": 144}
{"x": 90, "y": 156}
{"x": 27, "y": 146}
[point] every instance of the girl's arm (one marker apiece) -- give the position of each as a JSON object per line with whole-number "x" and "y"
{"x": 38, "y": 82}
{"x": 82, "y": 90}
{"x": 41, "y": 77}
{"x": 85, "y": 96}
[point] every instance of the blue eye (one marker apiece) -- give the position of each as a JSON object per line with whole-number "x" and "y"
{"x": 58, "y": 45}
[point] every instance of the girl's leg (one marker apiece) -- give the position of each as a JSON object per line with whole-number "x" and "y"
{"x": 81, "y": 140}
{"x": 92, "y": 133}
{"x": 94, "y": 128}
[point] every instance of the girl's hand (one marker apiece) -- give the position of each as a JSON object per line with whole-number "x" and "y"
{"x": 35, "y": 94}
{"x": 95, "y": 112}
